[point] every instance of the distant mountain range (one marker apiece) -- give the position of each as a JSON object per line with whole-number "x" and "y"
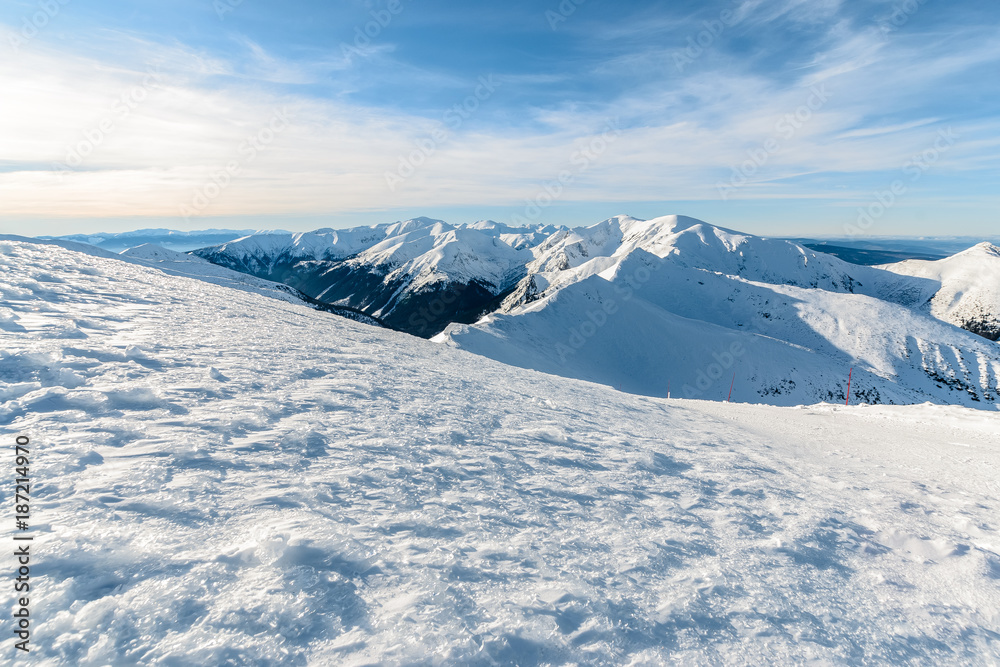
{"x": 169, "y": 239}
{"x": 671, "y": 305}
{"x": 883, "y": 250}
{"x": 868, "y": 256}
{"x": 418, "y": 276}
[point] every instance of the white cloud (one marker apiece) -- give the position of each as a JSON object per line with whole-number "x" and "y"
{"x": 679, "y": 139}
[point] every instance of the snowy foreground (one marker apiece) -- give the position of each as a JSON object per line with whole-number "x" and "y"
{"x": 222, "y": 477}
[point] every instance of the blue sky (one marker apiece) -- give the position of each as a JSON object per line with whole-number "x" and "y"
{"x": 782, "y": 117}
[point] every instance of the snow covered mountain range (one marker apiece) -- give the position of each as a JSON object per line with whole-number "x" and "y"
{"x": 170, "y": 239}
{"x": 222, "y": 474}
{"x": 671, "y": 305}
{"x": 417, "y": 276}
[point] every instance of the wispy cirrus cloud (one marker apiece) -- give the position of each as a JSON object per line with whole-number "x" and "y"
{"x": 352, "y": 119}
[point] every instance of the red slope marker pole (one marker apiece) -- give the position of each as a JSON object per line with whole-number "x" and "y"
{"x": 851, "y": 372}
{"x": 731, "y": 389}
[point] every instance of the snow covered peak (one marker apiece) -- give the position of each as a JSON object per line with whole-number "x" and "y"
{"x": 984, "y": 248}
{"x": 967, "y": 287}
{"x": 637, "y": 301}
{"x": 395, "y": 228}
{"x": 258, "y": 251}
{"x": 442, "y": 252}
{"x": 574, "y": 254}
{"x": 981, "y": 255}
{"x": 661, "y": 236}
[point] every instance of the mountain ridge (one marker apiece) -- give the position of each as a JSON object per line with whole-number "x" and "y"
{"x": 417, "y": 275}
{"x": 803, "y": 319}
{"x": 969, "y": 292}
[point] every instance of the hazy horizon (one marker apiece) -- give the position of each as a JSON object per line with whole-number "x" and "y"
{"x": 305, "y": 229}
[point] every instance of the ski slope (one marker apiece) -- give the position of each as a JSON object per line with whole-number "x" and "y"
{"x": 226, "y": 477}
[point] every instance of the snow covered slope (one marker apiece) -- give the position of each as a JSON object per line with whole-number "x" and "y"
{"x": 416, "y": 275}
{"x": 674, "y": 305}
{"x": 221, "y": 477}
{"x": 969, "y": 292}
{"x": 189, "y": 266}
{"x": 183, "y": 264}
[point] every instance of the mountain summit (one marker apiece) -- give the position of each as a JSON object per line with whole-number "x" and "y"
{"x": 968, "y": 293}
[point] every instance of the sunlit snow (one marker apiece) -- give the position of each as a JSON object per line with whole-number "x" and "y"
{"x": 225, "y": 477}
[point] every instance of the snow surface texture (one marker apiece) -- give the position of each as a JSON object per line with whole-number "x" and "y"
{"x": 222, "y": 477}
{"x": 192, "y": 266}
{"x": 674, "y": 305}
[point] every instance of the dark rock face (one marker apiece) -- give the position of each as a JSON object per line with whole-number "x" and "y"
{"x": 428, "y": 312}
{"x": 366, "y": 291}
{"x": 424, "y": 312}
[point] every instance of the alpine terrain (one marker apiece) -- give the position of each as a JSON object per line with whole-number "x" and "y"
{"x": 417, "y": 276}
{"x": 968, "y": 288}
{"x": 668, "y": 306}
